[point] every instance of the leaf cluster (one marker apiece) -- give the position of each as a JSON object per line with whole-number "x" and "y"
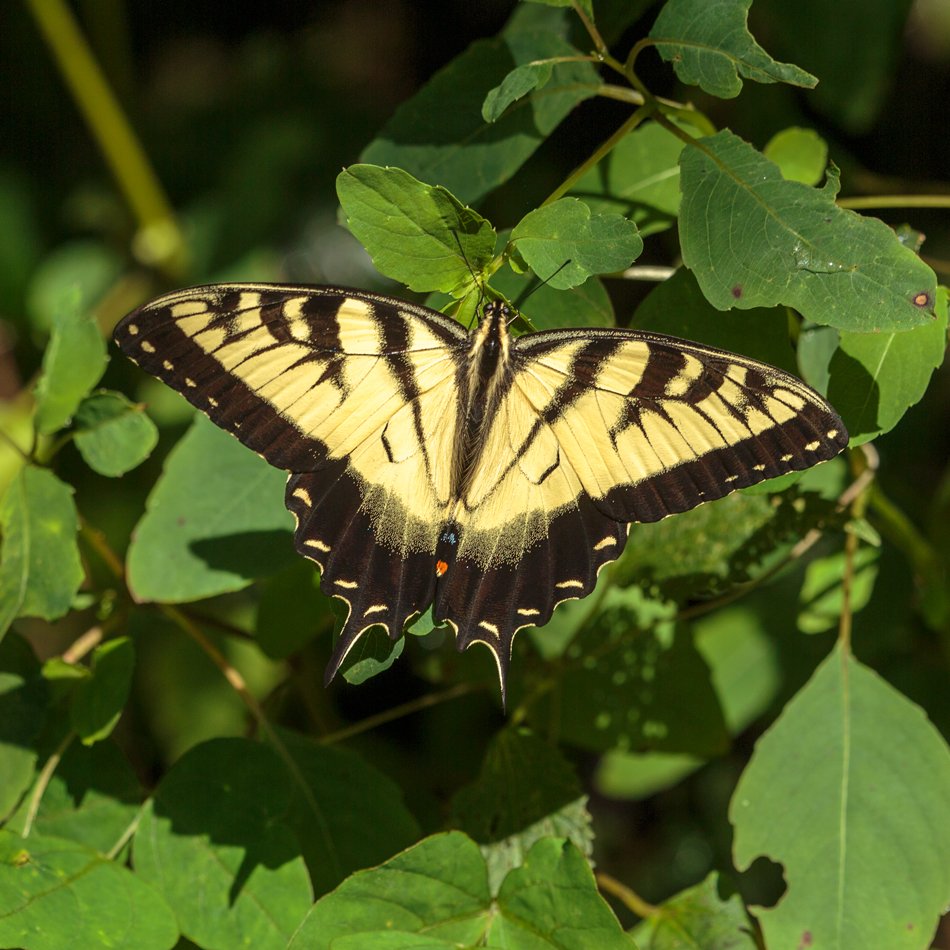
{"x": 170, "y": 769}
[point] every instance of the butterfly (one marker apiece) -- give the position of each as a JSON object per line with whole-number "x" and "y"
{"x": 487, "y": 476}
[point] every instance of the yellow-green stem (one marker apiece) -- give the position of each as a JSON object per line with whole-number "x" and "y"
{"x": 158, "y": 241}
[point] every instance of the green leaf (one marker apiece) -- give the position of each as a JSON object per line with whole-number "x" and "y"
{"x": 519, "y": 82}
{"x": 23, "y": 712}
{"x": 418, "y": 234}
{"x": 113, "y": 434}
{"x": 373, "y": 654}
{"x": 642, "y": 687}
{"x": 711, "y": 547}
{"x": 585, "y": 306}
{"x": 697, "y": 917}
{"x": 73, "y": 363}
{"x": 100, "y": 698}
{"x": 346, "y": 813}
{"x": 552, "y": 901}
{"x": 73, "y": 278}
{"x": 40, "y": 570}
{"x": 754, "y": 239}
{"x": 439, "y": 888}
{"x": 585, "y": 5}
{"x": 639, "y": 179}
{"x": 55, "y": 893}
{"x": 874, "y": 378}
{"x": 634, "y": 776}
{"x": 710, "y": 46}
{"x": 746, "y": 674}
{"x": 214, "y": 521}
{"x": 392, "y": 940}
{"x": 522, "y": 780}
{"x": 801, "y": 154}
{"x": 525, "y": 791}
{"x": 822, "y": 595}
{"x": 92, "y": 798}
{"x": 860, "y": 823}
{"x": 291, "y": 611}
{"x": 219, "y": 820}
{"x": 439, "y": 134}
{"x": 564, "y": 243}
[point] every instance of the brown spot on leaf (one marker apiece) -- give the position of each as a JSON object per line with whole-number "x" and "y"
{"x": 737, "y": 291}
{"x": 806, "y": 940}
{"x": 922, "y": 299}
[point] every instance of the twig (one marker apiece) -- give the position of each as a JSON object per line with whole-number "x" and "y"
{"x": 627, "y": 896}
{"x": 405, "y": 709}
{"x": 43, "y": 780}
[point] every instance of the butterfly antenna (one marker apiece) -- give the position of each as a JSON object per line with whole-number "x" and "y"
{"x": 481, "y": 289}
{"x": 522, "y": 297}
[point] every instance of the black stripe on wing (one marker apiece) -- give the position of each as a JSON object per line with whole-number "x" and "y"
{"x": 184, "y": 350}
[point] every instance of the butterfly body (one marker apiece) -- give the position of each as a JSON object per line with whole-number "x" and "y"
{"x": 487, "y": 477}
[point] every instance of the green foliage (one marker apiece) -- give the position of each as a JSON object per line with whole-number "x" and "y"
{"x": 440, "y": 888}
{"x": 44, "y": 879}
{"x": 415, "y": 233}
{"x": 564, "y": 240}
{"x": 711, "y": 47}
{"x": 213, "y": 523}
{"x": 72, "y": 365}
{"x": 872, "y": 775}
{"x": 795, "y": 247}
{"x": 113, "y": 434}
{"x": 40, "y": 569}
{"x": 175, "y": 775}
{"x": 697, "y": 917}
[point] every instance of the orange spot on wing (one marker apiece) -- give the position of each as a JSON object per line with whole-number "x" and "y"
{"x": 440, "y": 568}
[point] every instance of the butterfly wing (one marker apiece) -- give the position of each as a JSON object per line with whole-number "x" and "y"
{"x": 598, "y": 429}
{"x": 354, "y": 394}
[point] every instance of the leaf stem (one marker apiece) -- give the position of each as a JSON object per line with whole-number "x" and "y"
{"x": 603, "y": 149}
{"x": 97, "y": 541}
{"x": 599, "y": 45}
{"x": 626, "y": 895}
{"x": 230, "y": 673}
{"x": 895, "y": 201}
{"x": 158, "y": 241}
{"x": 16, "y": 448}
{"x": 84, "y": 644}
{"x": 127, "y": 834}
{"x": 405, "y": 709}
{"x": 43, "y": 780}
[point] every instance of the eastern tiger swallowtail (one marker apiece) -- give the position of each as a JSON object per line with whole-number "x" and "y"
{"x": 490, "y": 477}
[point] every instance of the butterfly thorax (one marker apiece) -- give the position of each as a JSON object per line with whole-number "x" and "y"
{"x": 486, "y": 377}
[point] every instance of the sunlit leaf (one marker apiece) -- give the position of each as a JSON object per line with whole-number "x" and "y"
{"x": 565, "y": 244}
{"x": 754, "y": 239}
{"x": 416, "y": 233}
